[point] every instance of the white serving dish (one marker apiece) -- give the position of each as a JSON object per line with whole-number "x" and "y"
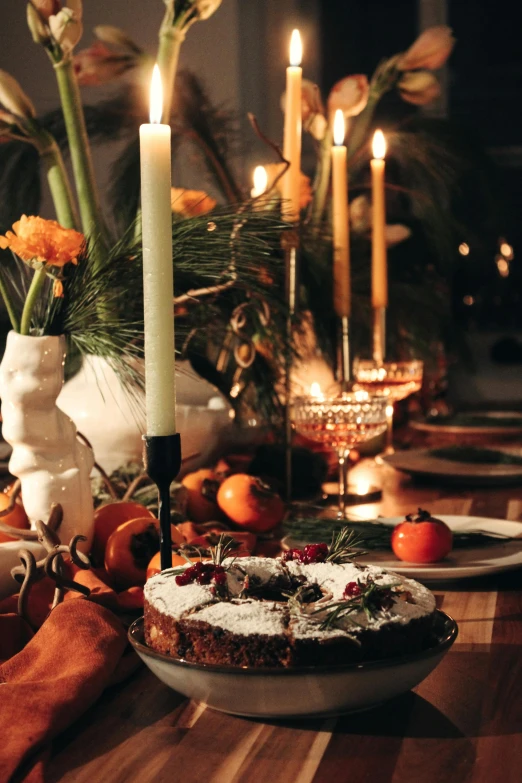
{"x": 301, "y": 691}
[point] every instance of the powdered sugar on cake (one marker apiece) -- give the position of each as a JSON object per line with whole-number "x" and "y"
{"x": 263, "y": 618}
{"x": 244, "y": 615}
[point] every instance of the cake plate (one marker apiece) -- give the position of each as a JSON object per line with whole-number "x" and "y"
{"x": 298, "y": 692}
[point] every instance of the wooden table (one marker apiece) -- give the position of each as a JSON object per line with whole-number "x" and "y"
{"x": 463, "y": 723}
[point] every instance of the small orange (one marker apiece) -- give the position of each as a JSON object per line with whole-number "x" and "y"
{"x": 15, "y": 518}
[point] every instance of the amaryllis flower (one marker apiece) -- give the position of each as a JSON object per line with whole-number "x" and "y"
{"x": 273, "y": 170}
{"x": 206, "y": 8}
{"x": 66, "y": 26}
{"x": 312, "y": 109}
{"x": 34, "y": 239}
{"x": 98, "y": 64}
{"x": 350, "y": 95}
{"x": 361, "y": 222}
{"x": 191, "y": 203}
{"x": 13, "y": 98}
{"x": 46, "y": 8}
{"x": 431, "y": 50}
{"x": 56, "y": 24}
{"x": 418, "y": 87}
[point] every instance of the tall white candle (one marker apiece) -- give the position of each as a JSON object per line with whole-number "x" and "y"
{"x": 292, "y": 135}
{"x": 158, "y": 275}
{"x": 340, "y": 218}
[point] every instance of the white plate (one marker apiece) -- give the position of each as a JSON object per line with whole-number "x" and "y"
{"x": 303, "y": 692}
{"x": 460, "y": 563}
{"x": 495, "y": 426}
{"x": 420, "y": 462}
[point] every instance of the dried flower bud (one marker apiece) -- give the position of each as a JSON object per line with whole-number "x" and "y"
{"x": 418, "y": 87}
{"x": 14, "y": 98}
{"x": 360, "y": 214}
{"x": 66, "y": 26}
{"x": 350, "y": 95}
{"x": 114, "y": 36}
{"x": 396, "y": 233}
{"x": 316, "y": 126}
{"x": 206, "y": 8}
{"x": 45, "y": 8}
{"x": 38, "y": 28}
{"x": 431, "y": 50}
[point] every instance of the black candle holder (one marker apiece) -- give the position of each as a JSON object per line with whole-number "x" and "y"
{"x": 162, "y": 461}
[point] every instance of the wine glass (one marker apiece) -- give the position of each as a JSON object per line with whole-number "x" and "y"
{"x": 340, "y": 422}
{"x": 397, "y": 379}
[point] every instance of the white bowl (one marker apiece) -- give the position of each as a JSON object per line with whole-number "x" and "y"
{"x": 301, "y": 691}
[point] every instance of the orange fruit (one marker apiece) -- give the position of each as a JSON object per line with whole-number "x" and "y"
{"x": 154, "y": 567}
{"x": 201, "y": 507}
{"x": 15, "y": 518}
{"x": 110, "y": 516}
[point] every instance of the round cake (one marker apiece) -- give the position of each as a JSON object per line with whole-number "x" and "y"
{"x": 302, "y": 609}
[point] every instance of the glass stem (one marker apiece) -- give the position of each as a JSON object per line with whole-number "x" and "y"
{"x": 389, "y": 430}
{"x": 343, "y": 481}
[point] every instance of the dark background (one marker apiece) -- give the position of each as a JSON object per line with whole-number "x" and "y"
{"x": 484, "y": 79}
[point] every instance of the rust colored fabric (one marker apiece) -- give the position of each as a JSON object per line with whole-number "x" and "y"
{"x": 57, "y": 675}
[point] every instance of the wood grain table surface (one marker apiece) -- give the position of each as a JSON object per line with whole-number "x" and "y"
{"x": 463, "y": 723}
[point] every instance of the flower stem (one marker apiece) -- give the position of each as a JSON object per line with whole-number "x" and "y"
{"x": 88, "y": 200}
{"x": 170, "y": 40}
{"x": 58, "y": 181}
{"x": 9, "y": 305}
{"x": 30, "y": 302}
{"x": 322, "y": 179}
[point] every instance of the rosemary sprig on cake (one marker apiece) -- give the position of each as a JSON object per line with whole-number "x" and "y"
{"x": 345, "y": 545}
{"x": 368, "y": 597}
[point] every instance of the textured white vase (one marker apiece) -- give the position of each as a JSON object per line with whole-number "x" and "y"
{"x": 103, "y": 412}
{"x": 52, "y": 464}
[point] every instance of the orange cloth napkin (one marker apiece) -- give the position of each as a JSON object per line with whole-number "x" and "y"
{"x": 48, "y": 678}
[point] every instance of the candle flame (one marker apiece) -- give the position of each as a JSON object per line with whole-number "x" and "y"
{"x": 379, "y": 144}
{"x": 362, "y": 487}
{"x": 260, "y": 180}
{"x": 156, "y": 96}
{"x": 315, "y": 390}
{"x": 338, "y": 128}
{"x": 296, "y": 48}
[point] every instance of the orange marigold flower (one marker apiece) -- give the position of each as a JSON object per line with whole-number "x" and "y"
{"x": 191, "y": 203}
{"x": 273, "y": 170}
{"x": 45, "y": 241}
{"x": 58, "y": 289}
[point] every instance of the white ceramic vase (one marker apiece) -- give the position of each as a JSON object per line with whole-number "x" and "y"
{"x": 52, "y": 464}
{"x": 101, "y": 409}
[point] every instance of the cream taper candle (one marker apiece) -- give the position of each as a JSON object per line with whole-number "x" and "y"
{"x": 292, "y": 133}
{"x": 158, "y": 275}
{"x": 379, "y": 263}
{"x": 341, "y": 228}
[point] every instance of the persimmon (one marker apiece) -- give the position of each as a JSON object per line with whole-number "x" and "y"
{"x": 15, "y": 518}
{"x": 250, "y": 503}
{"x": 201, "y": 489}
{"x": 154, "y": 567}
{"x": 421, "y": 539}
{"x": 129, "y": 550}
{"x": 110, "y": 516}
